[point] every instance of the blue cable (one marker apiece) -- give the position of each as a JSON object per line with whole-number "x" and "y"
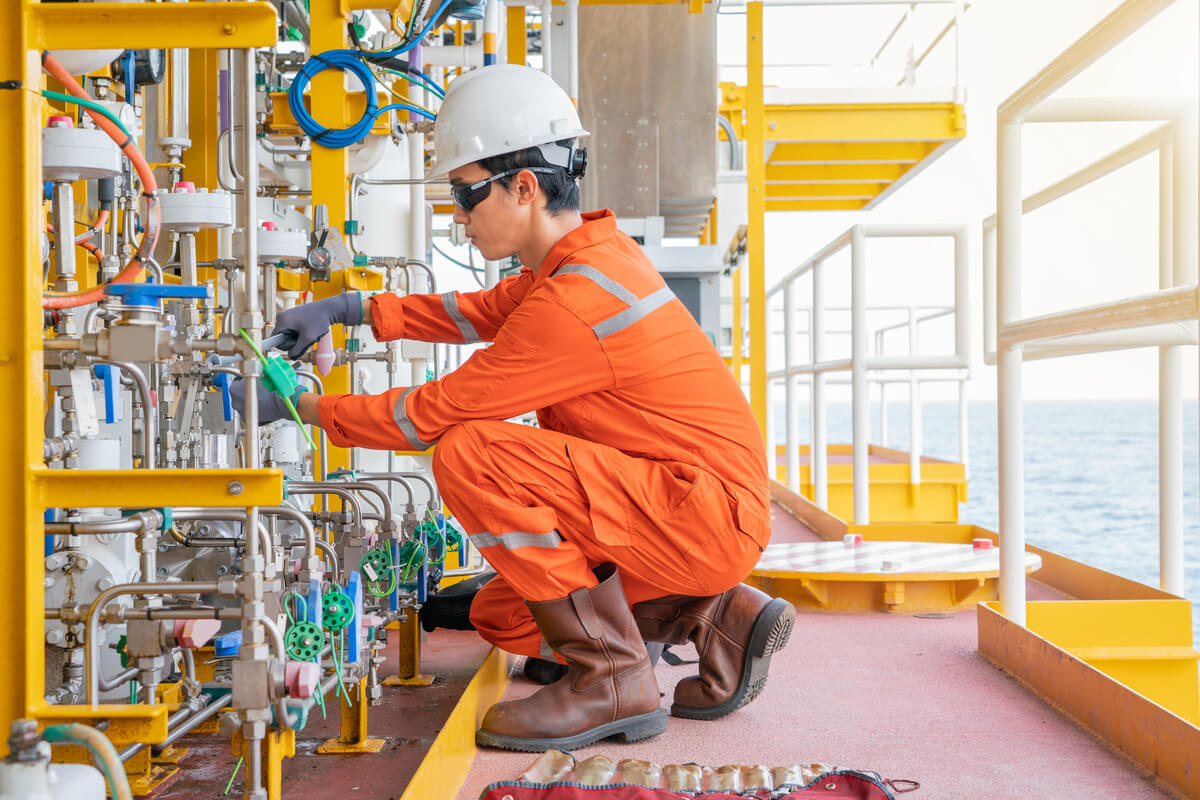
{"x": 403, "y": 47}
{"x": 347, "y": 61}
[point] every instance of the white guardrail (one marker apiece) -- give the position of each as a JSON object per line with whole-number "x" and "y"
{"x": 866, "y": 364}
{"x": 1166, "y": 318}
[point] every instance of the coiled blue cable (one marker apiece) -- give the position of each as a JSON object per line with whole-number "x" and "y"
{"x": 347, "y": 61}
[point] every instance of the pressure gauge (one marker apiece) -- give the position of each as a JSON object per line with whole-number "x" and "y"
{"x": 319, "y": 258}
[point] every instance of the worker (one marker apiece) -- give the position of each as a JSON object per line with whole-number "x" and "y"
{"x": 635, "y": 508}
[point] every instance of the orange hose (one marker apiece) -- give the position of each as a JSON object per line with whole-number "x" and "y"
{"x": 132, "y": 270}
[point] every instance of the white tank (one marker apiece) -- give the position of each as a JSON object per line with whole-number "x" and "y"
{"x": 41, "y": 780}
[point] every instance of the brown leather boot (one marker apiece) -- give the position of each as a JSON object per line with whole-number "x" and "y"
{"x": 609, "y": 688}
{"x": 735, "y": 634}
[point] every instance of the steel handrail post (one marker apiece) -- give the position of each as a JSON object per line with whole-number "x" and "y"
{"x": 819, "y": 450}
{"x": 858, "y": 371}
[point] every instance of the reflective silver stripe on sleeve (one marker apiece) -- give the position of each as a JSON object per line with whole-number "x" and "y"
{"x": 400, "y": 417}
{"x": 600, "y": 279}
{"x": 546, "y": 651}
{"x": 515, "y": 539}
{"x": 450, "y": 303}
{"x": 638, "y": 311}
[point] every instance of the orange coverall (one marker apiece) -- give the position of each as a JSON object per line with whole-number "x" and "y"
{"x": 646, "y": 454}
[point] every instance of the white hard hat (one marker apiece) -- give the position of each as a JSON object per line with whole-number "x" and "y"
{"x": 500, "y": 109}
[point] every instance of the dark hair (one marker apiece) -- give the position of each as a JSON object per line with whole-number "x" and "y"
{"x": 561, "y": 190}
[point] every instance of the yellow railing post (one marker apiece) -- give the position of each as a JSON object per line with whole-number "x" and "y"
{"x": 756, "y": 187}
{"x": 21, "y": 362}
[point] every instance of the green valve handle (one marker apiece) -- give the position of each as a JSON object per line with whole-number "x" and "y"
{"x": 280, "y": 379}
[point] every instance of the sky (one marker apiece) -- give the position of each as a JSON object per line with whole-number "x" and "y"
{"x": 1096, "y": 246}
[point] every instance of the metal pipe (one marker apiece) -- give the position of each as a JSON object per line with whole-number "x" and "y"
{"x": 143, "y": 389}
{"x": 818, "y": 450}
{"x": 301, "y": 487}
{"x": 63, "y": 208}
{"x": 544, "y": 39}
{"x": 363, "y": 486}
{"x": 572, "y": 27}
{"x": 263, "y": 539}
{"x": 297, "y": 516}
{"x": 283, "y": 717}
{"x": 1010, "y": 395}
{"x": 434, "y": 497}
{"x": 789, "y": 392}
{"x": 914, "y": 406}
{"x": 858, "y": 369}
{"x": 735, "y": 147}
{"x": 1127, "y": 18}
{"x": 92, "y": 624}
{"x": 390, "y": 479}
{"x": 194, "y": 721}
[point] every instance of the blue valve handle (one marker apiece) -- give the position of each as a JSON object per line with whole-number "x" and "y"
{"x": 149, "y": 294}
{"x": 228, "y": 645}
{"x": 111, "y": 386}
{"x": 354, "y": 629}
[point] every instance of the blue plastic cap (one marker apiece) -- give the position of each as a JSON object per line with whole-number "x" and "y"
{"x": 149, "y": 294}
{"x": 228, "y": 645}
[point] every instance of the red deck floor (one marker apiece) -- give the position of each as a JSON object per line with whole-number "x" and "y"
{"x": 906, "y": 697}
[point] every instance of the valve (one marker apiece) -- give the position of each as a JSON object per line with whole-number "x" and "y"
{"x": 149, "y": 294}
{"x": 108, "y": 374}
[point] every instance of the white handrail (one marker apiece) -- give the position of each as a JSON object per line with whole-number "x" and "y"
{"x": 866, "y": 366}
{"x": 1104, "y": 325}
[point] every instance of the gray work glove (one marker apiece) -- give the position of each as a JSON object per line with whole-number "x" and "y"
{"x": 271, "y": 407}
{"x": 311, "y": 321}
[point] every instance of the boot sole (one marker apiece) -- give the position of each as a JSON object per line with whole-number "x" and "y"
{"x": 770, "y": 634}
{"x": 630, "y": 729}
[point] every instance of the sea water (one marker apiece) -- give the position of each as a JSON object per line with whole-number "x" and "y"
{"x": 1091, "y": 476}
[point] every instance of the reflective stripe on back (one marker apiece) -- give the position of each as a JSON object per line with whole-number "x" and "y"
{"x": 638, "y": 309}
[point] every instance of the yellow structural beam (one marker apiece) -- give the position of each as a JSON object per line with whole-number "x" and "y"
{"x": 833, "y": 173}
{"x": 865, "y": 123}
{"x": 64, "y": 26}
{"x": 804, "y": 191}
{"x": 878, "y": 152}
{"x": 21, "y": 365}
{"x": 755, "y": 133}
{"x": 331, "y": 167}
{"x": 514, "y": 35}
{"x": 816, "y": 205}
{"x": 158, "y": 487}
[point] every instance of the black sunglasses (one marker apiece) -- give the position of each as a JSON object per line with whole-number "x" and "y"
{"x": 468, "y": 195}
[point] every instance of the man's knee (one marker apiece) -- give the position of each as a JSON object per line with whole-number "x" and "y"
{"x": 457, "y": 445}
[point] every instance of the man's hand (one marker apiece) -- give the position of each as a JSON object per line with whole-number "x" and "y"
{"x": 312, "y": 320}
{"x": 270, "y": 405}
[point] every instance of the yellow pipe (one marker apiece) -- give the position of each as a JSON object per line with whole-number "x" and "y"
{"x": 756, "y": 228}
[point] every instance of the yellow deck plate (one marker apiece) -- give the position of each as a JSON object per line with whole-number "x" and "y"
{"x": 896, "y": 576}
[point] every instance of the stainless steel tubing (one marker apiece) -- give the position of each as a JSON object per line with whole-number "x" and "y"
{"x": 263, "y": 539}
{"x": 326, "y": 487}
{"x": 92, "y": 628}
{"x": 282, "y": 716}
{"x": 143, "y": 387}
{"x": 434, "y": 497}
{"x": 108, "y": 684}
{"x": 381, "y": 476}
{"x": 332, "y": 557}
{"x": 180, "y": 725}
{"x": 297, "y": 516}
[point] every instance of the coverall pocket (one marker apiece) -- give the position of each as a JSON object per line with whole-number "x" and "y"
{"x": 628, "y": 497}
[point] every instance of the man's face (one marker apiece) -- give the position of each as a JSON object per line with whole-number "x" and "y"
{"x": 495, "y": 225}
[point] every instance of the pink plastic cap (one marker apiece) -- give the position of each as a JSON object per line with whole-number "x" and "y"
{"x": 184, "y": 186}
{"x": 371, "y": 538}
{"x": 852, "y": 539}
{"x": 269, "y": 226}
{"x": 59, "y": 121}
{"x": 982, "y": 544}
{"x": 297, "y": 567}
{"x": 371, "y": 621}
{"x": 301, "y": 678}
{"x": 192, "y": 633}
{"x": 324, "y": 357}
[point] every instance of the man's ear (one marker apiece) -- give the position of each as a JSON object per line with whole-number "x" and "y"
{"x": 524, "y": 187}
